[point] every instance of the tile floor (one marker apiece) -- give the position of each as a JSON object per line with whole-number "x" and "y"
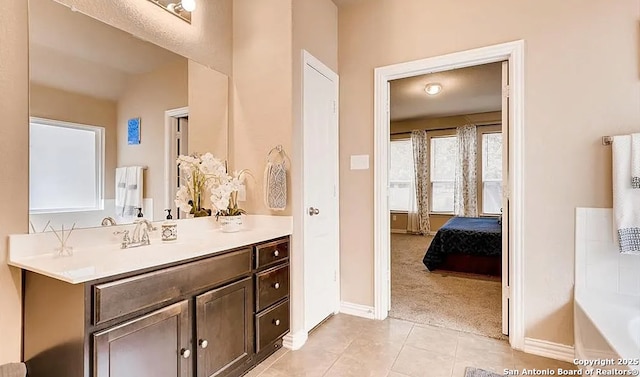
{"x": 351, "y": 346}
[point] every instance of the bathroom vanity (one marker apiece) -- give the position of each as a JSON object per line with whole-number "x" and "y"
{"x": 215, "y": 313}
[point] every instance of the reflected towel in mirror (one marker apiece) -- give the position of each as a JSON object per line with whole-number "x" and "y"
{"x": 129, "y": 192}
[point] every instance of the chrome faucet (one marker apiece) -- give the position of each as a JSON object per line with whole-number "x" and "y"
{"x": 107, "y": 221}
{"x": 143, "y": 226}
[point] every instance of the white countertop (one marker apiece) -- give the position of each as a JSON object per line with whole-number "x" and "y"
{"x": 97, "y": 253}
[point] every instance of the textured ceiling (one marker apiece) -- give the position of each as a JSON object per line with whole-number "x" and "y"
{"x": 74, "y": 52}
{"x": 464, "y": 91}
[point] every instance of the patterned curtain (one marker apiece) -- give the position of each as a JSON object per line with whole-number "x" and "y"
{"x": 421, "y": 169}
{"x": 413, "y": 219}
{"x": 466, "y": 185}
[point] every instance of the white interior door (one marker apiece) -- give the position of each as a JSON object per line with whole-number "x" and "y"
{"x": 505, "y": 198}
{"x": 320, "y": 175}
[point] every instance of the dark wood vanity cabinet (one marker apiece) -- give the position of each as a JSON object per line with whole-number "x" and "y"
{"x": 216, "y": 316}
{"x": 146, "y": 346}
{"x": 224, "y": 332}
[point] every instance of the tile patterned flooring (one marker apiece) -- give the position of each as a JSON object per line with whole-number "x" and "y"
{"x": 351, "y": 346}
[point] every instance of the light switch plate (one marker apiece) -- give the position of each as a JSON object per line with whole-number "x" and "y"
{"x": 360, "y": 162}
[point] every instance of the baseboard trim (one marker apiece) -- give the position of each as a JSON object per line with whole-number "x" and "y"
{"x": 356, "y": 310}
{"x": 295, "y": 341}
{"x": 551, "y": 350}
{"x": 398, "y": 231}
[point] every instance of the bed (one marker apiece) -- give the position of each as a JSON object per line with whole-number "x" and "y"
{"x": 467, "y": 244}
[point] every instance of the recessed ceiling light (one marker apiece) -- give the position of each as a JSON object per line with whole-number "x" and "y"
{"x": 433, "y": 88}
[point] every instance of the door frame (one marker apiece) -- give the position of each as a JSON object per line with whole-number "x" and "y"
{"x": 513, "y": 52}
{"x": 298, "y": 335}
{"x": 169, "y": 161}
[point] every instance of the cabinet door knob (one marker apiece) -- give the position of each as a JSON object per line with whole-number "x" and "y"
{"x": 185, "y": 353}
{"x": 203, "y": 343}
{"x": 276, "y": 285}
{"x": 276, "y": 253}
{"x": 276, "y": 322}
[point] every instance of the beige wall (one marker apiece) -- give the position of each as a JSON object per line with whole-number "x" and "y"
{"x": 573, "y": 47}
{"x": 261, "y": 90}
{"x": 14, "y": 165}
{"x": 208, "y": 111}
{"x": 267, "y": 45}
{"x": 51, "y": 103}
{"x": 148, "y": 96}
{"x": 207, "y": 40}
{"x": 315, "y": 29}
{"x": 401, "y": 220}
{"x": 445, "y": 122}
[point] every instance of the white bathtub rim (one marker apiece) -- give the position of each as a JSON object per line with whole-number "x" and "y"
{"x": 612, "y": 321}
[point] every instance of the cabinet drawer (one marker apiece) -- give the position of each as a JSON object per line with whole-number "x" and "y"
{"x": 272, "y": 286}
{"x": 270, "y": 253}
{"x": 126, "y": 296}
{"x": 271, "y": 325}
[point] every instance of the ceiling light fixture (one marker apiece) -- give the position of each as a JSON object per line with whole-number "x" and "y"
{"x": 179, "y": 8}
{"x": 433, "y": 88}
{"x": 184, "y": 5}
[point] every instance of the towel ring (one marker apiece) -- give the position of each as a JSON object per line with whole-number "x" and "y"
{"x": 280, "y": 151}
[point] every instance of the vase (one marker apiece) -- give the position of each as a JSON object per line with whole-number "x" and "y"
{"x": 230, "y": 224}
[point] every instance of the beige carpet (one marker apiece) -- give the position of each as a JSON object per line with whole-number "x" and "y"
{"x": 465, "y": 302}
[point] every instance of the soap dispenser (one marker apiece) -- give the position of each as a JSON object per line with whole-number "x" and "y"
{"x": 169, "y": 228}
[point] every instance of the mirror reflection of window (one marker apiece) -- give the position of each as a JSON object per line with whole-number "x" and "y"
{"x": 66, "y": 166}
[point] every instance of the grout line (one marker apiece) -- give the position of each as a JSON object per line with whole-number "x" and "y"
{"x": 332, "y": 364}
{"x": 404, "y": 343}
{"x": 267, "y": 366}
{"x": 396, "y": 359}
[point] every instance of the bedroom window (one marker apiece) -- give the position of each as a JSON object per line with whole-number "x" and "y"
{"x": 443, "y": 173}
{"x": 401, "y": 175}
{"x": 66, "y": 166}
{"x": 491, "y": 173}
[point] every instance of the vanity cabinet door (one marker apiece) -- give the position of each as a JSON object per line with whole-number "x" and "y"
{"x": 154, "y": 345}
{"x": 224, "y": 329}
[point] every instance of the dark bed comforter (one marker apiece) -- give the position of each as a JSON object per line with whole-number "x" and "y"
{"x": 465, "y": 235}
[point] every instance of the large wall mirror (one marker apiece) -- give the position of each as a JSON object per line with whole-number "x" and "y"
{"x": 109, "y": 115}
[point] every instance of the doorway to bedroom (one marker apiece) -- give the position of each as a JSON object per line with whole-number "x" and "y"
{"x": 445, "y": 198}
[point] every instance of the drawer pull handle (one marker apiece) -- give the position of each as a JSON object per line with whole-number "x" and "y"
{"x": 276, "y": 322}
{"x": 276, "y": 253}
{"x": 203, "y": 343}
{"x": 276, "y": 285}
{"x": 185, "y": 353}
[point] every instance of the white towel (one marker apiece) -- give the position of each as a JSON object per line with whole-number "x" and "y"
{"x": 635, "y": 161}
{"x": 626, "y": 201}
{"x": 275, "y": 186}
{"x": 128, "y": 191}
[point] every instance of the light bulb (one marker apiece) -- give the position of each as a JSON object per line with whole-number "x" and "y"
{"x": 188, "y": 5}
{"x": 433, "y": 89}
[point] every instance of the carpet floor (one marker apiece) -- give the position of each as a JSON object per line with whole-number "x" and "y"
{"x": 464, "y": 302}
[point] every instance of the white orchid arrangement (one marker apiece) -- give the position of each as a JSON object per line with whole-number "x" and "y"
{"x": 225, "y": 195}
{"x": 206, "y": 172}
